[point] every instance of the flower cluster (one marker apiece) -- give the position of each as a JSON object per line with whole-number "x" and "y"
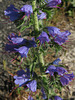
{"x": 42, "y": 15}
{"x": 58, "y": 36}
{"x": 15, "y": 14}
{"x": 53, "y": 3}
{"x": 64, "y": 77}
{"x": 43, "y": 37}
{"x": 19, "y": 44}
{"x": 23, "y": 79}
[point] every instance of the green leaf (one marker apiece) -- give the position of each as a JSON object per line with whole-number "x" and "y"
{"x": 21, "y": 24}
{"x": 22, "y": 28}
{"x": 4, "y": 64}
{"x": 31, "y": 67}
{"x": 25, "y": 18}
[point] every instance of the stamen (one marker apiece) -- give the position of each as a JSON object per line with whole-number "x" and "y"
{"x": 39, "y": 44}
{"x": 13, "y": 59}
{"x": 63, "y": 46}
{"x": 19, "y": 34}
{"x": 44, "y": 44}
{"x": 22, "y": 17}
{"x": 21, "y": 61}
{"x": 16, "y": 10}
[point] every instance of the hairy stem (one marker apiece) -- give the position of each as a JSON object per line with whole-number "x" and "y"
{"x": 36, "y": 28}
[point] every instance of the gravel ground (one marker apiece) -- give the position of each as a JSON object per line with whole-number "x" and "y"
{"x": 7, "y": 27}
{"x": 68, "y": 58}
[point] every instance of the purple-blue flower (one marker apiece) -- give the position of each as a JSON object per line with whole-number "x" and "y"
{"x": 60, "y": 40}
{"x": 53, "y": 31}
{"x": 43, "y": 93}
{"x": 53, "y": 3}
{"x": 21, "y": 77}
{"x": 57, "y": 98}
{"x": 42, "y": 15}
{"x": 65, "y": 79}
{"x": 21, "y": 80}
{"x": 20, "y": 72}
{"x": 56, "y": 62}
{"x": 30, "y": 43}
{"x": 23, "y": 51}
{"x": 43, "y": 37}
{"x": 20, "y": 45}
{"x": 27, "y": 9}
{"x": 61, "y": 70}
{"x": 65, "y": 33}
{"x": 12, "y": 12}
{"x": 32, "y": 85}
{"x": 30, "y": 98}
{"x": 69, "y": 76}
{"x": 51, "y": 69}
{"x": 58, "y": 36}
{"x": 15, "y": 13}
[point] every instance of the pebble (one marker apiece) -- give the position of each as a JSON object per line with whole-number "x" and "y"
{"x": 0, "y": 0}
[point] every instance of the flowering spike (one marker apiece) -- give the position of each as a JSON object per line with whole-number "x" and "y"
{"x": 53, "y": 3}
{"x": 43, "y": 37}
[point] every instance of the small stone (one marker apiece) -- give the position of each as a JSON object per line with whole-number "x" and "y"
{"x": 0, "y": 0}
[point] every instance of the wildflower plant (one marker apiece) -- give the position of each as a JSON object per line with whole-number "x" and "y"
{"x": 34, "y": 74}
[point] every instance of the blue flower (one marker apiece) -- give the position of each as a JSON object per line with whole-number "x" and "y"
{"x": 60, "y": 40}
{"x": 53, "y": 3}
{"x": 21, "y": 80}
{"x": 69, "y": 76}
{"x": 21, "y": 77}
{"x": 58, "y": 36}
{"x": 43, "y": 37}
{"x": 51, "y": 69}
{"x": 57, "y": 98}
{"x": 30, "y": 98}
{"x": 60, "y": 70}
{"x": 42, "y": 15}
{"x": 12, "y": 12}
{"x": 56, "y": 62}
{"x": 65, "y": 79}
{"x": 27, "y": 9}
{"x": 15, "y": 13}
{"x": 65, "y": 33}
{"x": 32, "y": 85}
{"x": 53, "y": 31}
{"x": 23, "y": 51}
{"x": 10, "y": 47}
{"x": 43, "y": 93}
{"x": 30, "y": 43}
{"x": 20, "y": 72}
{"x": 20, "y": 45}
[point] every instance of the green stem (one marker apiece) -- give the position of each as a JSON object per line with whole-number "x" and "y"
{"x": 36, "y": 28}
{"x": 41, "y": 59}
{"x": 36, "y": 24}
